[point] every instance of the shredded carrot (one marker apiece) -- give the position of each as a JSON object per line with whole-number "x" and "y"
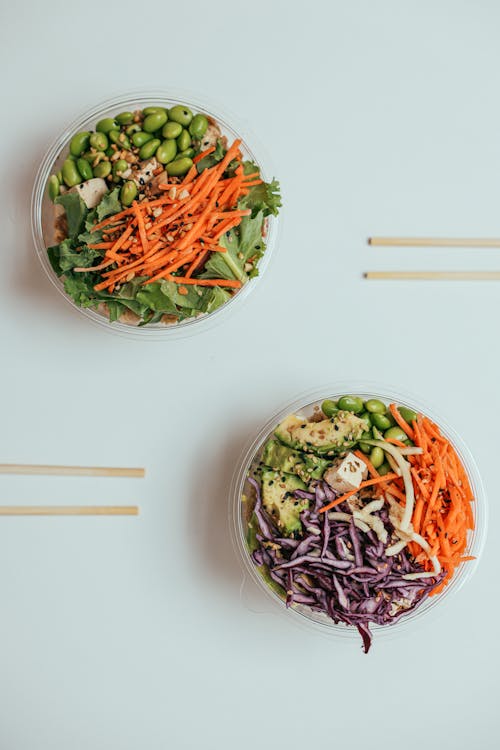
{"x": 400, "y": 421}
{"x": 179, "y": 231}
{"x": 371, "y": 468}
{"x": 366, "y": 483}
{"x": 443, "y": 512}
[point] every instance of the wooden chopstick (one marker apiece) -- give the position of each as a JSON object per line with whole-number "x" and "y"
{"x": 435, "y": 275}
{"x": 69, "y": 510}
{"x": 434, "y": 241}
{"x": 81, "y": 471}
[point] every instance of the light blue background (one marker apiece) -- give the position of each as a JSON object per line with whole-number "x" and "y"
{"x": 118, "y": 634}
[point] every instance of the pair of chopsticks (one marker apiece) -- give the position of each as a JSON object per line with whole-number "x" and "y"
{"x": 69, "y": 510}
{"x": 434, "y": 242}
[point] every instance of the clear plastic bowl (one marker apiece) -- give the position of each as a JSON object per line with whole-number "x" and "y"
{"x": 302, "y": 614}
{"x": 42, "y": 209}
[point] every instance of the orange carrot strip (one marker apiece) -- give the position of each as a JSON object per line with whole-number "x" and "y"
{"x": 366, "y": 483}
{"x": 401, "y": 422}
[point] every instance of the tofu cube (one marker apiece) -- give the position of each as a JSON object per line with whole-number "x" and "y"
{"x": 346, "y": 475}
{"x": 91, "y": 191}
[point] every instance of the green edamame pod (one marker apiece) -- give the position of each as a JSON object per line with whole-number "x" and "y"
{"x": 380, "y": 421}
{"x": 351, "y": 403}
{"x": 70, "y": 173}
{"x": 396, "y": 433}
{"x": 198, "y": 126}
{"x": 79, "y": 143}
{"x": 128, "y": 193}
{"x": 408, "y": 414}
{"x": 99, "y": 141}
{"x": 179, "y": 167}
{"x": 119, "y": 167}
{"x": 180, "y": 114}
{"x": 85, "y": 169}
{"x": 153, "y": 111}
{"x": 171, "y": 130}
{"x": 329, "y": 407}
{"x": 121, "y": 140}
{"x": 53, "y": 187}
{"x": 365, "y": 447}
{"x": 375, "y": 406}
{"x": 167, "y": 151}
{"x": 103, "y": 169}
{"x": 149, "y": 148}
{"x": 384, "y": 469}
{"x": 104, "y": 126}
{"x": 377, "y": 457}
{"x": 140, "y": 138}
{"x": 59, "y": 177}
{"x": 184, "y": 140}
{"x": 124, "y": 118}
{"x": 134, "y": 128}
{"x": 154, "y": 122}
{"x": 190, "y": 152}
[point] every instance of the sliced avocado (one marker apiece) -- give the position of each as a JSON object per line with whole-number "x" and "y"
{"x": 282, "y": 458}
{"x": 330, "y": 436}
{"x": 279, "y": 502}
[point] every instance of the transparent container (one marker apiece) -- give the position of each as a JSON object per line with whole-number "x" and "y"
{"x": 240, "y": 512}
{"x": 43, "y": 215}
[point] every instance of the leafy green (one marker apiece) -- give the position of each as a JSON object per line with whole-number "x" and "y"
{"x": 250, "y": 233}
{"x": 64, "y": 257}
{"x": 75, "y": 209}
{"x": 264, "y": 197}
{"x": 79, "y": 287}
{"x": 109, "y": 205}
{"x": 212, "y": 159}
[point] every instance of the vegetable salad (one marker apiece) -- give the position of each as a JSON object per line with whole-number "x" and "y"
{"x": 158, "y": 217}
{"x": 360, "y": 511}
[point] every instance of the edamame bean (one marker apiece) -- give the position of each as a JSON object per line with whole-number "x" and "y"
{"x": 377, "y": 457}
{"x": 365, "y": 447}
{"x": 329, "y": 407}
{"x": 154, "y": 122}
{"x": 116, "y": 136}
{"x": 380, "y": 421}
{"x": 198, "y": 126}
{"x": 408, "y": 414}
{"x": 85, "y": 169}
{"x": 70, "y": 173}
{"x": 180, "y": 114}
{"x": 395, "y": 433}
{"x": 375, "y": 406}
{"x": 179, "y": 166}
{"x": 184, "y": 140}
{"x": 128, "y": 192}
{"x": 134, "y": 128}
{"x": 140, "y": 138}
{"x": 53, "y": 187}
{"x": 59, "y": 177}
{"x": 384, "y": 469}
{"x": 103, "y": 169}
{"x": 171, "y": 130}
{"x": 104, "y": 126}
{"x": 99, "y": 141}
{"x": 119, "y": 167}
{"x": 351, "y": 403}
{"x": 124, "y": 118}
{"x": 187, "y": 152}
{"x": 153, "y": 110}
{"x": 79, "y": 143}
{"x": 166, "y": 151}
{"x": 149, "y": 148}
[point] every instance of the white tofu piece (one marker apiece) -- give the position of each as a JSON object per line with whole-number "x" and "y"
{"x": 145, "y": 173}
{"x": 346, "y": 475}
{"x": 91, "y": 191}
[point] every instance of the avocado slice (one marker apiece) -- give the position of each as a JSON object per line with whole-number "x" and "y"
{"x": 282, "y": 458}
{"x": 328, "y": 437}
{"x": 279, "y": 502}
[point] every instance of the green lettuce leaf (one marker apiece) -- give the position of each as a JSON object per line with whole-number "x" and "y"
{"x": 212, "y": 159}
{"x": 264, "y": 197}
{"x": 64, "y": 257}
{"x": 76, "y": 211}
{"x": 109, "y": 205}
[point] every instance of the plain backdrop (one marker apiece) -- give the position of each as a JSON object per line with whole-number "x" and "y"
{"x": 117, "y": 634}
